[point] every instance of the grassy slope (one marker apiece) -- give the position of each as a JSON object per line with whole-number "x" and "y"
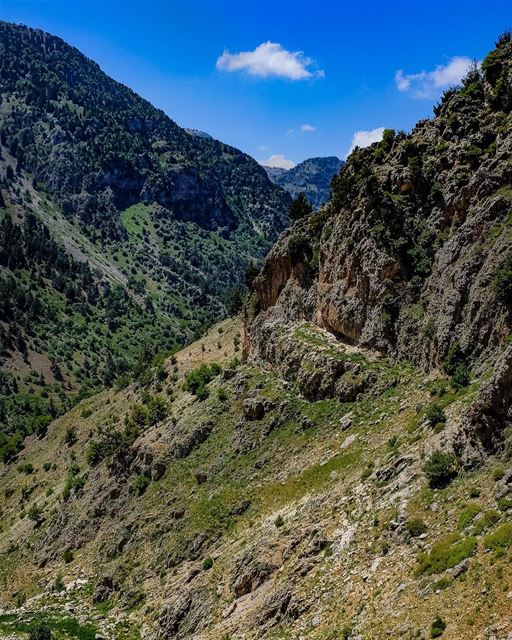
{"x": 364, "y": 578}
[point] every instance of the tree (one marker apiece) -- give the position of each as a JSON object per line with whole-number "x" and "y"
{"x": 440, "y": 469}
{"x": 300, "y": 207}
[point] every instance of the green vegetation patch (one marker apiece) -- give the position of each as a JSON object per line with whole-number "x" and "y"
{"x": 446, "y": 553}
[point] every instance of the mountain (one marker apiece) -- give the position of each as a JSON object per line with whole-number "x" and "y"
{"x": 121, "y": 234}
{"x": 312, "y": 177}
{"x": 336, "y": 463}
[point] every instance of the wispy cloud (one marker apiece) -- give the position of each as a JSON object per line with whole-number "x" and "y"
{"x": 428, "y": 84}
{"x": 278, "y": 161}
{"x": 263, "y": 147}
{"x": 307, "y": 127}
{"x": 365, "y": 138}
{"x": 270, "y": 59}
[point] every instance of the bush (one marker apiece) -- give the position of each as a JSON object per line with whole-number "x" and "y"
{"x": 437, "y": 628}
{"x": 35, "y": 513}
{"x": 93, "y": 453}
{"x": 489, "y": 519}
{"x": 454, "y": 357}
{"x": 70, "y": 435}
{"x": 279, "y": 521}
{"x": 141, "y": 483}
{"x": 434, "y": 414}
{"x": 27, "y": 468}
{"x": 415, "y": 527}
{"x": 222, "y": 394}
{"x": 440, "y": 469}
{"x": 468, "y": 515}
{"x": 207, "y": 563}
{"x": 504, "y": 504}
{"x": 67, "y": 556}
{"x": 73, "y": 482}
{"x": 197, "y": 379}
{"x": 500, "y": 539}
{"x": 39, "y": 630}
{"x": 59, "y": 583}
{"x": 446, "y": 553}
{"x": 502, "y": 282}
{"x": 461, "y": 377}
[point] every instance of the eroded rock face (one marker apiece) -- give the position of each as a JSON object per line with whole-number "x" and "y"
{"x": 403, "y": 257}
{"x": 483, "y": 424}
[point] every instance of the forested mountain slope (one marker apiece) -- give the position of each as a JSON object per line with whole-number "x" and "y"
{"x": 121, "y": 234}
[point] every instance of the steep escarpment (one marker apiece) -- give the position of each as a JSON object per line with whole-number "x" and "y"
{"x": 412, "y": 252}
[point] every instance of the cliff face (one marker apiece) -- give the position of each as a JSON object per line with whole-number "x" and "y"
{"x": 412, "y": 255}
{"x": 408, "y": 255}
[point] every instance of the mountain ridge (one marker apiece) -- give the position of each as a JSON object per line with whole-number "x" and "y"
{"x": 164, "y": 222}
{"x": 311, "y": 176}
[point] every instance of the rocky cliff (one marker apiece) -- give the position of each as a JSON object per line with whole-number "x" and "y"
{"x": 411, "y": 256}
{"x": 404, "y": 255}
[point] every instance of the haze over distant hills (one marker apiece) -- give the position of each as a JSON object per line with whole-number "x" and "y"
{"x": 312, "y": 177}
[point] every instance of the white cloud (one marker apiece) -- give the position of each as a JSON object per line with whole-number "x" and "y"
{"x": 263, "y": 147}
{"x": 428, "y": 84}
{"x": 269, "y": 59}
{"x": 307, "y": 127}
{"x": 365, "y": 138}
{"x": 279, "y": 161}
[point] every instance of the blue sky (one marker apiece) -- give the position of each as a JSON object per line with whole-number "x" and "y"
{"x": 330, "y": 65}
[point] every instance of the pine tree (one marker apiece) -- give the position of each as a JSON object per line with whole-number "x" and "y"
{"x": 300, "y": 208}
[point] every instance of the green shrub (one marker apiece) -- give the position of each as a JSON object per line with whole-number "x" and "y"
{"x": 468, "y": 515}
{"x": 68, "y": 556}
{"x": 222, "y": 394}
{"x": 500, "y": 539}
{"x": 141, "y": 483}
{"x": 27, "y": 468}
{"x": 489, "y": 519}
{"x": 157, "y": 410}
{"x": 300, "y": 208}
{"x": 461, "y": 377}
{"x": 73, "y": 482}
{"x": 435, "y": 414}
{"x": 498, "y": 473}
{"x": 504, "y": 504}
{"x": 202, "y": 393}
{"x": 440, "y": 469}
{"x": 454, "y": 357}
{"x": 415, "y": 527}
{"x": 279, "y": 521}
{"x": 197, "y": 379}
{"x": 59, "y": 583}
{"x": 93, "y": 453}
{"x": 207, "y": 563}
{"x": 502, "y": 282}
{"x": 437, "y": 628}
{"x": 35, "y": 513}
{"x": 39, "y": 630}
{"x": 70, "y": 435}
{"x": 446, "y": 553}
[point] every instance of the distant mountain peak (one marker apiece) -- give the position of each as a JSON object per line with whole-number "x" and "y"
{"x": 312, "y": 176}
